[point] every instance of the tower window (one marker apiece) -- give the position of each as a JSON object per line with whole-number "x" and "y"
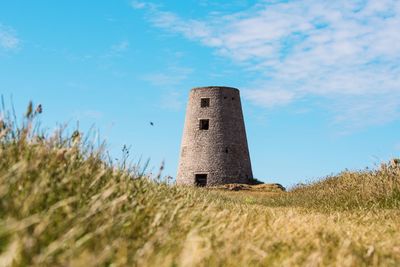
{"x": 204, "y": 124}
{"x": 226, "y": 150}
{"x": 205, "y": 102}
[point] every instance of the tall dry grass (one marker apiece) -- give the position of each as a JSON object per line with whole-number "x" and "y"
{"x": 349, "y": 190}
{"x": 63, "y": 203}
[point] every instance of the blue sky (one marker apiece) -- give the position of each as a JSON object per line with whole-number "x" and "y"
{"x": 320, "y": 80}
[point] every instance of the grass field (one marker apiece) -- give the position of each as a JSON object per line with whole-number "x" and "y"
{"x": 63, "y": 203}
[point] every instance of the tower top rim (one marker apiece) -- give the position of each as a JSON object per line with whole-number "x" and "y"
{"x": 214, "y": 88}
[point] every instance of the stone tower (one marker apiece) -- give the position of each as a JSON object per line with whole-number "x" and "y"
{"x": 214, "y": 145}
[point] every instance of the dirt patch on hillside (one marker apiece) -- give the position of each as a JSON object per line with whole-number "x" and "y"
{"x": 251, "y": 188}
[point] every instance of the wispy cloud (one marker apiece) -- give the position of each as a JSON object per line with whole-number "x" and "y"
{"x": 117, "y": 50}
{"x": 344, "y": 51}
{"x": 173, "y": 75}
{"x": 172, "y": 101}
{"x": 270, "y": 98}
{"x": 139, "y": 5}
{"x": 120, "y": 47}
{"x": 8, "y": 38}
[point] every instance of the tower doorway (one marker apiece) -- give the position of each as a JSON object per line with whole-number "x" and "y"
{"x": 201, "y": 180}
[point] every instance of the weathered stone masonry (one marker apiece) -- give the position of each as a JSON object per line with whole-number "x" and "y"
{"x": 214, "y": 145}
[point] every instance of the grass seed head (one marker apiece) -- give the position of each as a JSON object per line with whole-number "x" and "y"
{"x": 29, "y": 110}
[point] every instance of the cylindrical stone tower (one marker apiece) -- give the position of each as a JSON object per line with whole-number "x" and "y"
{"x": 214, "y": 147}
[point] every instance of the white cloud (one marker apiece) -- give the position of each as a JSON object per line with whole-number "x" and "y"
{"x": 8, "y": 38}
{"x": 268, "y": 97}
{"x": 365, "y": 110}
{"x": 138, "y": 5}
{"x": 344, "y": 51}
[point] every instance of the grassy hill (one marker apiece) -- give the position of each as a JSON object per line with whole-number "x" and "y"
{"x": 63, "y": 203}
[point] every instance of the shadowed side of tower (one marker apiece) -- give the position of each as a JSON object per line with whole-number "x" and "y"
{"x": 214, "y": 146}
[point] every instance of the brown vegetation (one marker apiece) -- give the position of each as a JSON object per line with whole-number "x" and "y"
{"x": 62, "y": 203}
